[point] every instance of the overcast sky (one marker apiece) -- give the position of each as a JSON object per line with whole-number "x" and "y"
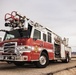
{"x": 58, "y": 15}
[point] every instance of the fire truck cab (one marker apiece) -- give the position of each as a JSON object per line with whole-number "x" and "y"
{"x": 28, "y": 41}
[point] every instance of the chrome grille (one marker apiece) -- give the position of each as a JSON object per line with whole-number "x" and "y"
{"x": 9, "y": 47}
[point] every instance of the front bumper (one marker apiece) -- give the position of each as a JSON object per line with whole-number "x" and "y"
{"x": 13, "y": 58}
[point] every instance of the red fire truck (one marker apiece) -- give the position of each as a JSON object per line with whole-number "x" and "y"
{"x": 28, "y": 41}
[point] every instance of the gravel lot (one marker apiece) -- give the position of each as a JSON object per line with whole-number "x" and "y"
{"x": 11, "y": 69}
{"x": 67, "y": 72}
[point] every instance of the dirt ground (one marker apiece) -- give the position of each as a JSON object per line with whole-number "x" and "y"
{"x": 67, "y": 72}
{"x": 28, "y": 69}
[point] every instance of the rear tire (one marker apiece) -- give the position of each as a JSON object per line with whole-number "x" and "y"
{"x": 43, "y": 61}
{"x": 66, "y": 60}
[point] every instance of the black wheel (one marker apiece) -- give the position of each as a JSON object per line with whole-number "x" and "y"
{"x": 19, "y": 63}
{"x": 66, "y": 60}
{"x": 9, "y": 62}
{"x": 43, "y": 61}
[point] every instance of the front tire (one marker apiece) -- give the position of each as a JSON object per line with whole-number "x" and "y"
{"x": 43, "y": 61}
{"x": 19, "y": 63}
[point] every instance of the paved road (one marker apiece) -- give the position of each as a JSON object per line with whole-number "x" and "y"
{"x": 11, "y": 69}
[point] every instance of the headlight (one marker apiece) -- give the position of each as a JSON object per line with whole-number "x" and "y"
{"x": 23, "y": 48}
{"x": 1, "y": 48}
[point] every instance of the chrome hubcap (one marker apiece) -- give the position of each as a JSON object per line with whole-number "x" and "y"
{"x": 42, "y": 60}
{"x": 67, "y": 59}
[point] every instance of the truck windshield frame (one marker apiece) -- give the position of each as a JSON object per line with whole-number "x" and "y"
{"x": 18, "y": 33}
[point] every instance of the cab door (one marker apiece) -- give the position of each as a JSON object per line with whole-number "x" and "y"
{"x": 37, "y": 44}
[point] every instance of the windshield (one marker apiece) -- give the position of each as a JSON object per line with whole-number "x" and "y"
{"x": 18, "y": 33}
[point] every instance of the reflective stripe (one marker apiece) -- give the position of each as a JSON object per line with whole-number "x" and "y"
{"x": 28, "y": 51}
{"x": 40, "y": 49}
{"x": 50, "y": 50}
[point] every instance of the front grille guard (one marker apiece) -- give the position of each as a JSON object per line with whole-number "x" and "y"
{"x": 10, "y": 48}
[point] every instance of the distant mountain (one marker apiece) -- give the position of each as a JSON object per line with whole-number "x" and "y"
{"x": 74, "y": 53}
